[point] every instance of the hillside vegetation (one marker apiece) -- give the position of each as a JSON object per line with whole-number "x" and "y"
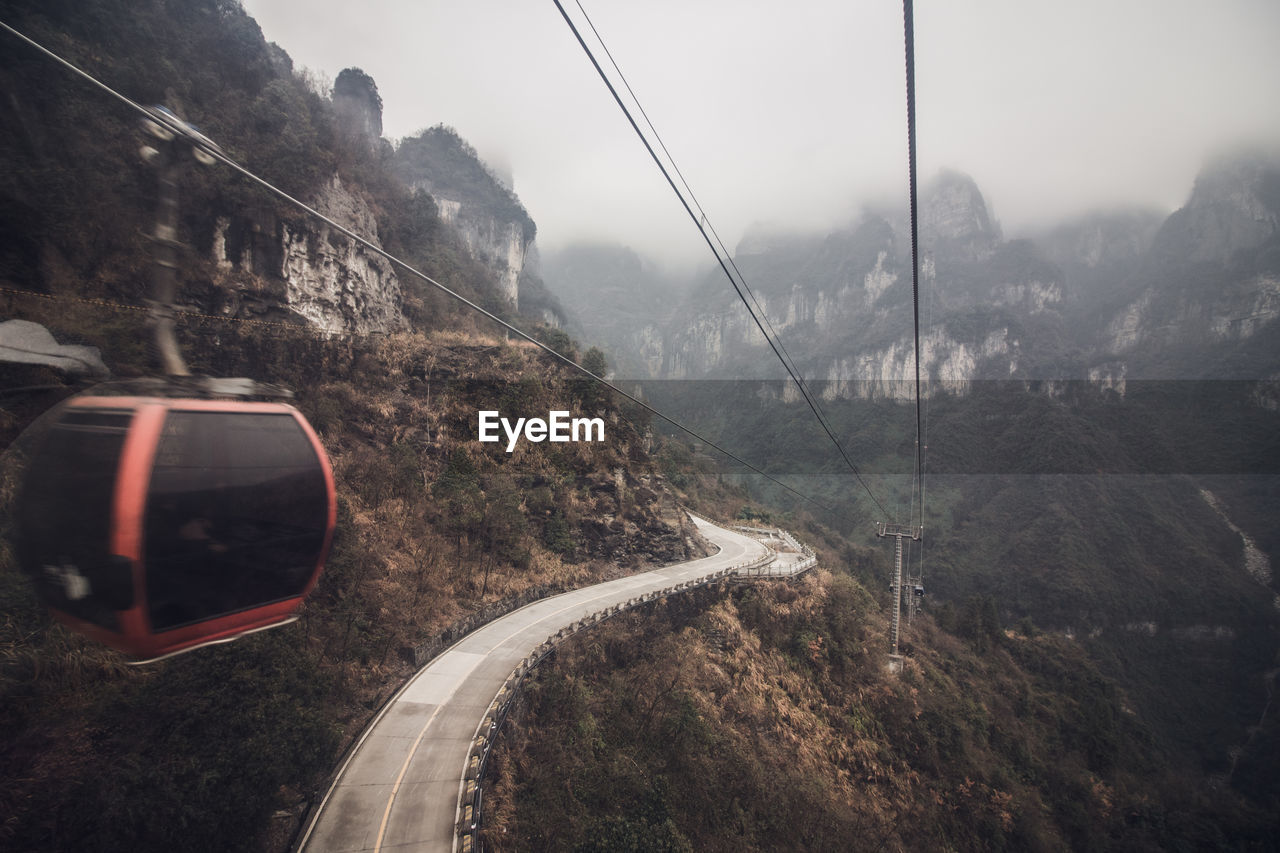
{"x": 1088, "y": 513}
{"x": 1128, "y": 706}
{"x": 432, "y": 527}
{"x": 766, "y": 720}
{"x": 76, "y": 212}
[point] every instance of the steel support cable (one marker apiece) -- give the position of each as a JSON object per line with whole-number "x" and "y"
{"x": 908, "y": 23}
{"x": 931, "y": 285}
{"x": 693, "y": 197}
{"x": 223, "y": 158}
{"x": 703, "y": 231}
{"x": 785, "y": 356}
{"x": 788, "y": 361}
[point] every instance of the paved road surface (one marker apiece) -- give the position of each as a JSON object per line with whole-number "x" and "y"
{"x": 399, "y": 790}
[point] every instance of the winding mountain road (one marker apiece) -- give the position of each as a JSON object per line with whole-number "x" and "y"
{"x": 399, "y": 789}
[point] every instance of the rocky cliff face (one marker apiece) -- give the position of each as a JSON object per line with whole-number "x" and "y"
{"x": 358, "y": 107}
{"x": 73, "y": 212}
{"x": 842, "y": 306}
{"x": 1098, "y": 252}
{"x": 309, "y": 270}
{"x": 620, "y": 303}
{"x": 1234, "y": 207}
{"x": 277, "y": 269}
{"x": 498, "y": 244}
{"x": 1212, "y": 276}
{"x": 469, "y": 197}
{"x": 335, "y": 282}
{"x": 494, "y": 226}
{"x": 955, "y": 214}
{"x": 1110, "y": 297}
{"x": 1162, "y": 321}
{"x": 1102, "y": 240}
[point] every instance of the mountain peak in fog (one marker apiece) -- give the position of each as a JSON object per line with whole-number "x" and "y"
{"x": 954, "y": 212}
{"x": 1234, "y": 207}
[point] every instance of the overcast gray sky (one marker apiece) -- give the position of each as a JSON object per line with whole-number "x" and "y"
{"x": 794, "y": 113}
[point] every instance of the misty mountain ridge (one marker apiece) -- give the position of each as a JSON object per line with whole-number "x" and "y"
{"x": 1108, "y": 295}
{"x": 610, "y": 287}
{"x": 1144, "y": 650}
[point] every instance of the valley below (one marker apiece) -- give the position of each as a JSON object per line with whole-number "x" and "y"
{"x": 1091, "y": 630}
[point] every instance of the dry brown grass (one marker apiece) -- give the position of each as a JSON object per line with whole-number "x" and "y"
{"x": 766, "y": 719}
{"x": 397, "y": 576}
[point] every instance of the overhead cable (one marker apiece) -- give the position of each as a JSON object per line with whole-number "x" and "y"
{"x": 703, "y": 218}
{"x": 698, "y": 222}
{"x": 220, "y": 156}
{"x": 723, "y": 251}
{"x": 908, "y": 23}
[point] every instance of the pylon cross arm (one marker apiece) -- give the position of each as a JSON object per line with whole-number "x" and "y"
{"x": 885, "y": 528}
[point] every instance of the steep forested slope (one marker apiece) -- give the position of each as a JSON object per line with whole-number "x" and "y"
{"x": 201, "y": 751}
{"x": 1155, "y": 651}
{"x": 766, "y": 721}
{"x": 198, "y": 752}
{"x": 79, "y": 198}
{"x": 1097, "y": 515}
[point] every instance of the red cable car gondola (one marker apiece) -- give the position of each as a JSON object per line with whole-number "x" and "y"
{"x": 159, "y": 525}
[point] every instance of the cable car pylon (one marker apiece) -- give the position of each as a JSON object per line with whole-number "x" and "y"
{"x": 897, "y": 531}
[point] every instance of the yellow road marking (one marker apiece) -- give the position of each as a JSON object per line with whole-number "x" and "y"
{"x": 404, "y": 768}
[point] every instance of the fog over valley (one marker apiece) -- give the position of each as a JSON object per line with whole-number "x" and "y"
{"x": 387, "y": 463}
{"x": 794, "y": 115}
